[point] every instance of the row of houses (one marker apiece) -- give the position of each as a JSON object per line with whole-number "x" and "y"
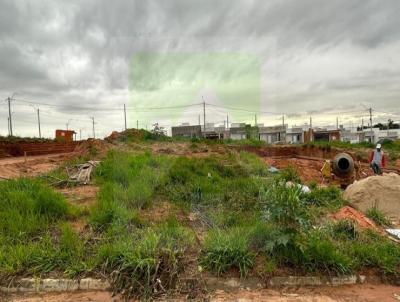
{"x": 269, "y": 134}
{"x": 282, "y": 133}
{"x": 373, "y": 135}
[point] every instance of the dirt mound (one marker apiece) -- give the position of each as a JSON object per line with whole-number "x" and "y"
{"x": 93, "y": 147}
{"x": 382, "y": 192}
{"x": 128, "y": 134}
{"x": 348, "y": 213}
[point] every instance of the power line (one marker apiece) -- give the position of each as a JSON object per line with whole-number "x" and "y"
{"x": 106, "y": 108}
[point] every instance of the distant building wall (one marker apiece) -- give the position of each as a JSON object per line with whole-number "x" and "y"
{"x": 321, "y": 135}
{"x": 186, "y": 131}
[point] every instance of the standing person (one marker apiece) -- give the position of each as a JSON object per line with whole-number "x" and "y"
{"x": 377, "y": 160}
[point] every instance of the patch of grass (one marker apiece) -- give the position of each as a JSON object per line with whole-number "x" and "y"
{"x": 374, "y": 251}
{"x": 345, "y": 229}
{"x": 284, "y": 206}
{"x": 378, "y": 217}
{"x": 219, "y": 182}
{"x": 45, "y": 255}
{"x": 145, "y": 262}
{"x": 28, "y": 208}
{"x": 225, "y": 250}
{"x": 330, "y": 197}
{"x": 289, "y": 174}
{"x": 320, "y": 254}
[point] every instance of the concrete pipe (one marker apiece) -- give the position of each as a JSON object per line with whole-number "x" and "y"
{"x": 343, "y": 165}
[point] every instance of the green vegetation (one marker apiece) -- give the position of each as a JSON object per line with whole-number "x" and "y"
{"x": 252, "y": 223}
{"x": 340, "y": 144}
{"x": 27, "y": 207}
{"x": 225, "y": 250}
{"x": 378, "y": 217}
{"x": 30, "y": 213}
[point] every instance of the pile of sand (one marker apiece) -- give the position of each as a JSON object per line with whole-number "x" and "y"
{"x": 382, "y": 192}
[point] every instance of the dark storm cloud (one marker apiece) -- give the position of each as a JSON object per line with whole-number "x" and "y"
{"x": 314, "y": 52}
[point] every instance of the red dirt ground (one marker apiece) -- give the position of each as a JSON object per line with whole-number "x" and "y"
{"x": 352, "y": 214}
{"x": 13, "y": 167}
{"x": 309, "y": 170}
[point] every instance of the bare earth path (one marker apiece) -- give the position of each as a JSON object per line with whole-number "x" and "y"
{"x": 355, "y": 293}
{"x": 13, "y": 167}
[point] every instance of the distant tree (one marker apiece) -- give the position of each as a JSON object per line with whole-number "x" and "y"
{"x": 380, "y": 126}
{"x": 393, "y": 125}
{"x": 158, "y": 130}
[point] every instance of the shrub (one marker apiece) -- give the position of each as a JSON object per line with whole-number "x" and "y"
{"x": 224, "y": 250}
{"x": 284, "y": 206}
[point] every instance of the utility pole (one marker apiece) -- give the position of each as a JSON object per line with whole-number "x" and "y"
{"x": 9, "y": 115}
{"x": 370, "y": 122}
{"x": 94, "y": 134}
{"x": 255, "y": 120}
{"x": 337, "y": 123}
{"x": 204, "y": 114}
{"x": 227, "y": 121}
{"x": 8, "y": 125}
{"x": 283, "y": 120}
{"x": 38, "y": 118}
{"x": 310, "y": 122}
{"x": 125, "y": 115}
{"x": 362, "y": 124}
{"x": 80, "y": 134}
{"x": 137, "y": 124}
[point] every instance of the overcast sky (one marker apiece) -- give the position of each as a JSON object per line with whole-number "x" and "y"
{"x": 293, "y": 57}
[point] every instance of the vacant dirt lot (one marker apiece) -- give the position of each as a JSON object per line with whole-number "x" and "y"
{"x": 13, "y": 167}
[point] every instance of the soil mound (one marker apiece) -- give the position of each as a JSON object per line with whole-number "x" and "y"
{"x": 348, "y": 213}
{"x": 382, "y": 192}
{"x": 93, "y": 147}
{"x": 127, "y": 135}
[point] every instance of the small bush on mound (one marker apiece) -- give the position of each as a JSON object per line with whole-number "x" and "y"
{"x": 378, "y": 217}
{"x": 225, "y": 250}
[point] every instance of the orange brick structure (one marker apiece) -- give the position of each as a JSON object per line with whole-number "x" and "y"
{"x": 65, "y": 135}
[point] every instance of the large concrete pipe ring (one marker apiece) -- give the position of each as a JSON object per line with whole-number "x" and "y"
{"x": 343, "y": 165}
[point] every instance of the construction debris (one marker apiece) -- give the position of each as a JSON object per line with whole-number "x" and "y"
{"x": 381, "y": 192}
{"x": 77, "y": 175}
{"x": 394, "y": 232}
{"x": 83, "y": 173}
